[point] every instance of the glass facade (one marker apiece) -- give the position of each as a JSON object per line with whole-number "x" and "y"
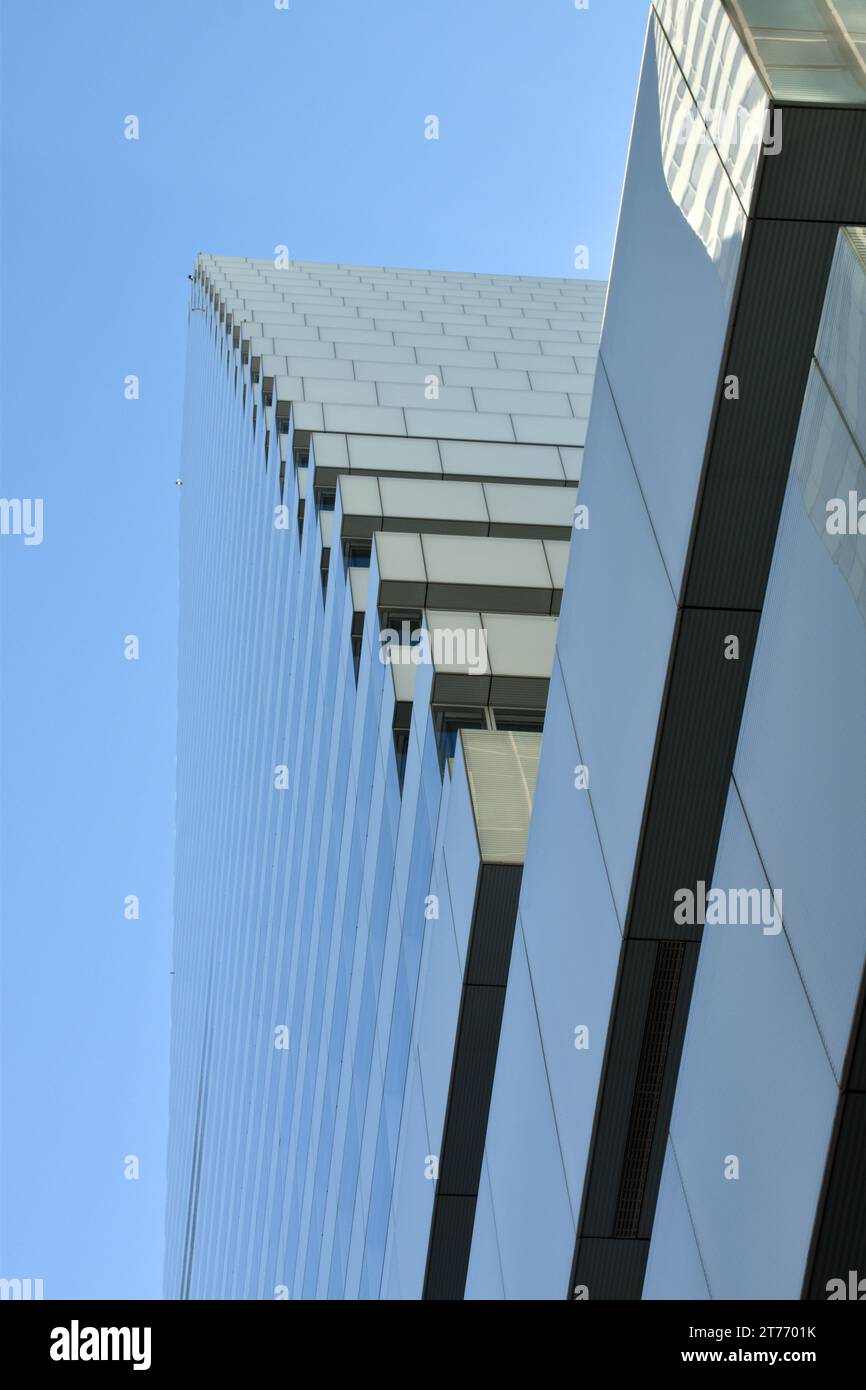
{"x": 335, "y": 821}
{"x": 755, "y": 1105}
{"x": 521, "y": 836}
{"x": 669, "y": 1087}
{"x": 796, "y": 821}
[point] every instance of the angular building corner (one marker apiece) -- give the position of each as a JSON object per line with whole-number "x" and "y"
{"x": 678, "y": 1111}
{"x": 380, "y": 482}
{"x": 465, "y": 1011}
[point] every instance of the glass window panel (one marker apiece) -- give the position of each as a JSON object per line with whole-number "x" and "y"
{"x": 677, "y": 253}
{"x": 801, "y": 752}
{"x": 755, "y": 1084}
{"x": 808, "y": 50}
{"x": 674, "y": 1269}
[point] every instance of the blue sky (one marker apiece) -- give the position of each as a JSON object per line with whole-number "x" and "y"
{"x": 258, "y": 127}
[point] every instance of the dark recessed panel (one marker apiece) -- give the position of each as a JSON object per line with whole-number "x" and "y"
{"x": 616, "y": 1095}
{"x": 776, "y": 325}
{"x": 856, "y": 1078}
{"x": 840, "y": 1245}
{"x": 451, "y": 688}
{"x": 692, "y": 773}
{"x": 688, "y": 967}
{"x": 820, "y": 172}
{"x": 609, "y": 1269}
{"x": 476, "y": 1046}
{"x": 450, "y": 1244}
{"x": 519, "y": 692}
{"x": 491, "y": 598}
{"x": 489, "y": 955}
{"x": 471, "y": 1087}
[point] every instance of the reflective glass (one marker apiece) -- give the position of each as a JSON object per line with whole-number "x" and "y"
{"x": 809, "y": 50}
{"x": 677, "y": 253}
{"x": 756, "y": 1096}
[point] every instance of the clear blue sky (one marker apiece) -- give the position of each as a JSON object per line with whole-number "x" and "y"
{"x": 258, "y": 127}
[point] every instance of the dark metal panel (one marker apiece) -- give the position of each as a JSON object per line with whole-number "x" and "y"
{"x": 609, "y": 1269}
{"x": 402, "y": 593}
{"x": 494, "y": 598}
{"x": 476, "y": 1046}
{"x": 774, "y": 332}
{"x": 857, "y": 1066}
{"x": 840, "y": 1244}
{"x": 820, "y": 172}
{"x": 854, "y": 1075}
{"x": 538, "y": 533}
{"x": 430, "y": 526}
{"x": 359, "y": 528}
{"x": 616, "y": 1093}
{"x": 683, "y": 1003}
{"x": 489, "y": 954}
{"x": 644, "y": 1120}
{"x": 450, "y": 688}
{"x": 450, "y": 1245}
{"x": 471, "y": 1087}
{"x": 519, "y": 692}
{"x": 636, "y": 1097}
{"x": 695, "y": 753}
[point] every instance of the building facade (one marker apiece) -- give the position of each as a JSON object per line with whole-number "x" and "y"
{"x": 379, "y": 486}
{"x": 678, "y": 1110}
{"x": 465, "y": 1010}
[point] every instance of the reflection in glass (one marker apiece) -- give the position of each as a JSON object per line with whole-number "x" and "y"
{"x": 807, "y": 50}
{"x": 841, "y": 350}
{"x": 722, "y": 78}
{"x": 832, "y": 479}
{"x": 696, "y": 179}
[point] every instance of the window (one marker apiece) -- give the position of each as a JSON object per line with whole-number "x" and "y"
{"x": 358, "y": 555}
{"x": 357, "y": 642}
{"x": 323, "y": 568}
{"x": 406, "y": 622}
{"x": 519, "y": 721}
{"x": 401, "y": 726}
{"x": 448, "y": 723}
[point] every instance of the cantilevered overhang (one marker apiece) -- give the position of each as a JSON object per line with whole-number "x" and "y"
{"x": 795, "y": 198}
{"x": 496, "y": 573}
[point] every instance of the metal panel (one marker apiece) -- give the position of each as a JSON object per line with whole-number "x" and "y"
{"x": 774, "y": 325}
{"x": 475, "y": 1051}
{"x": 609, "y": 1269}
{"x": 777, "y": 317}
{"x": 699, "y": 726}
{"x": 840, "y": 1243}
{"x": 820, "y": 172}
{"x": 450, "y": 1244}
{"x": 471, "y": 1085}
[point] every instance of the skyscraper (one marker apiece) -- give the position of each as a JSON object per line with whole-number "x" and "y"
{"x": 379, "y": 485}
{"x": 465, "y": 1010}
{"x": 678, "y": 1110}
